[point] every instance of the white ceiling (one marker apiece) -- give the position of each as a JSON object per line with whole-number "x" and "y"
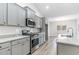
{"x": 57, "y": 9}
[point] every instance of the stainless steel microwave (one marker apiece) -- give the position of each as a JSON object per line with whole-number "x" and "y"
{"x": 30, "y": 23}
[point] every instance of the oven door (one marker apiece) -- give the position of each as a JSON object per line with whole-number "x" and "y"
{"x": 35, "y": 42}
{"x": 34, "y": 45}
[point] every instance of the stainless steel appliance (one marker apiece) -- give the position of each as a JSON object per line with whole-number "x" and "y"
{"x": 30, "y": 22}
{"x": 41, "y": 38}
{"x": 34, "y": 42}
{"x": 46, "y": 32}
{"x": 26, "y": 33}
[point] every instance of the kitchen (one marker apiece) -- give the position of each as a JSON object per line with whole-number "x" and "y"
{"x": 39, "y": 29}
{"x": 21, "y": 30}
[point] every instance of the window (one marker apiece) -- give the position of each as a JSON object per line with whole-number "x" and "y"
{"x": 59, "y": 27}
{"x": 63, "y": 27}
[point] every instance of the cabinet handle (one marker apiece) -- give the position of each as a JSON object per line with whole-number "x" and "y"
{"x": 17, "y": 24}
{"x": 8, "y": 49}
{"x": 22, "y": 44}
{"x": 4, "y": 22}
{"x": 0, "y": 47}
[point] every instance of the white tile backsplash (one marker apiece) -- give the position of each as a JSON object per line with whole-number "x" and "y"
{"x": 8, "y": 30}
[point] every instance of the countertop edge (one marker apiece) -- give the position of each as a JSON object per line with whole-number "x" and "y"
{"x": 12, "y": 39}
{"x": 68, "y": 43}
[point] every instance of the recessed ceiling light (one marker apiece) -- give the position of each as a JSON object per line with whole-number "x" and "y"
{"x": 47, "y": 7}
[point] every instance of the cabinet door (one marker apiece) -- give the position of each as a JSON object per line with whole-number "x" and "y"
{"x": 39, "y": 24}
{"x": 6, "y": 51}
{"x": 3, "y": 10}
{"x": 26, "y": 46}
{"x": 30, "y": 13}
{"x": 38, "y": 20}
{"x": 16, "y": 49}
{"x": 24, "y": 49}
{"x": 12, "y": 14}
{"x": 21, "y": 16}
{"x": 35, "y": 17}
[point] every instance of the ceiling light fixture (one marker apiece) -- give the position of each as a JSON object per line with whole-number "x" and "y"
{"x": 47, "y": 7}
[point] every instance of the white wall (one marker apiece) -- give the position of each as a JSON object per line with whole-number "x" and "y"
{"x": 68, "y": 20}
{"x": 77, "y": 24}
{"x": 7, "y": 30}
{"x": 53, "y": 26}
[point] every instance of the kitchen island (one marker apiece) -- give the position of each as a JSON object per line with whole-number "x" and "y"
{"x": 67, "y": 46}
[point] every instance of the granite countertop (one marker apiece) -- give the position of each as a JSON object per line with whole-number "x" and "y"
{"x": 69, "y": 41}
{"x": 2, "y": 40}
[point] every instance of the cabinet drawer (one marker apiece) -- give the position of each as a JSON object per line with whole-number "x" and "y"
{"x": 15, "y": 42}
{"x": 22, "y": 40}
{"x": 6, "y": 51}
{"x": 28, "y": 38}
{"x": 4, "y": 45}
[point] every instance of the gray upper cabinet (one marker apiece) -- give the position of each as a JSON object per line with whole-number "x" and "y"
{"x": 30, "y": 13}
{"x": 16, "y": 15}
{"x": 38, "y": 21}
{"x": 21, "y": 47}
{"x": 3, "y": 13}
{"x": 12, "y": 14}
{"x": 21, "y": 16}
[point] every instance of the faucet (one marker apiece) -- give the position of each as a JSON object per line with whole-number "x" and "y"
{"x": 71, "y": 34}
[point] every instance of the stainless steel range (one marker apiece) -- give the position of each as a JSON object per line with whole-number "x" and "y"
{"x": 34, "y": 42}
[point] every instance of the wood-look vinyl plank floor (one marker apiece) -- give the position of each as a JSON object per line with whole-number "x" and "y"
{"x": 49, "y": 48}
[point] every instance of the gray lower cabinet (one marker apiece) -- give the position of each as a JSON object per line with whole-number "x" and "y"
{"x": 5, "y": 48}
{"x": 16, "y": 49}
{"x": 6, "y": 51}
{"x": 26, "y": 46}
{"x": 24, "y": 49}
{"x": 21, "y": 47}
{"x": 67, "y": 49}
